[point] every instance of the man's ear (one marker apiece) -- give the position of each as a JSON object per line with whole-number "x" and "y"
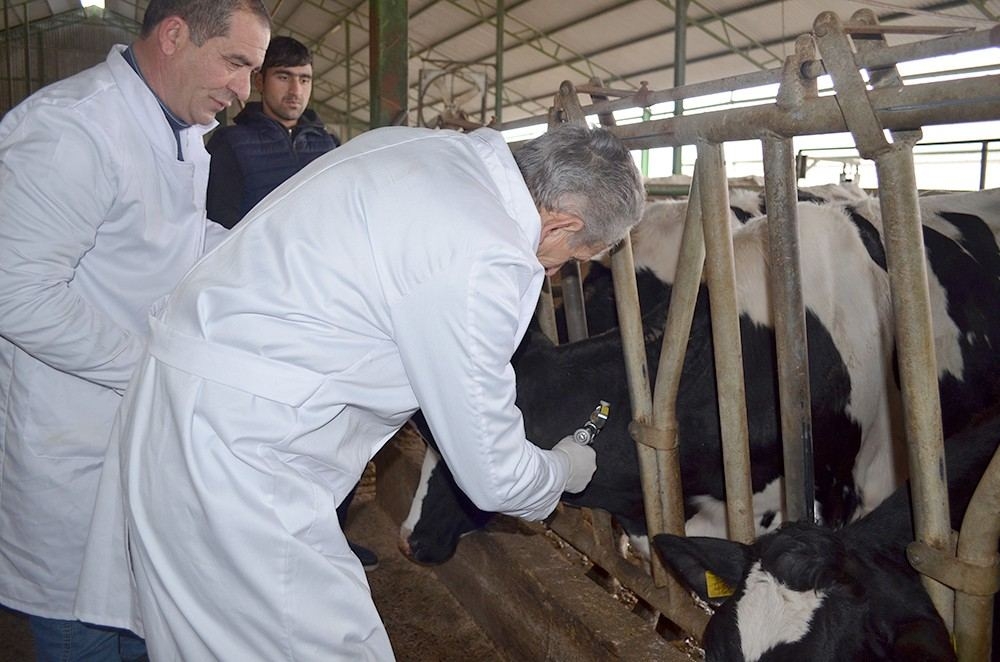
{"x": 172, "y": 34}
{"x": 258, "y": 81}
{"x": 559, "y": 222}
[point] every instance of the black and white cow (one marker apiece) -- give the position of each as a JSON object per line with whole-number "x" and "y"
{"x": 805, "y": 592}
{"x": 846, "y": 293}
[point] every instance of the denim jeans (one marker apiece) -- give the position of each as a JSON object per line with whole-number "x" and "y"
{"x": 73, "y": 641}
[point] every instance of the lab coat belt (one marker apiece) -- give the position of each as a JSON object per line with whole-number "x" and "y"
{"x": 238, "y": 369}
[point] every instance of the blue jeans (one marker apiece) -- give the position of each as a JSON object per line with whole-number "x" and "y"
{"x": 73, "y": 641}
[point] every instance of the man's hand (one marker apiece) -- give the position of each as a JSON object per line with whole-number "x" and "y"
{"x": 582, "y": 463}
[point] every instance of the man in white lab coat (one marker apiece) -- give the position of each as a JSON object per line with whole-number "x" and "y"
{"x": 398, "y": 271}
{"x": 102, "y": 210}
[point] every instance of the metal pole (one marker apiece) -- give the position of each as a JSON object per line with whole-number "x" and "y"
{"x": 904, "y": 248}
{"x": 388, "y": 62}
{"x": 498, "y": 83}
{"x": 977, "y": 545}
{"x": 347, "y": 79}
{"x": 27, "y": 52}
{"x": 983, "y": 155}
{"x": 10, "y": 55}
{"x": 680, "y": 64}
{"x": 789, "y": 328}
{"x": 676, "y": 331}
{"x": 571, "y": 286}
{"x": 720, "y": 270}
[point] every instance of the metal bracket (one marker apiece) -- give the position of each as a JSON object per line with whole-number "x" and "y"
{"x": 662, "y": 439}
{"x": 852, "y": 93}
{"x": 961, "y": 574}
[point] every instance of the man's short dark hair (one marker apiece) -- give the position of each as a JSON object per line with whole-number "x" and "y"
{"x": 205, "y": 18}
{"x": 285, "y": 52}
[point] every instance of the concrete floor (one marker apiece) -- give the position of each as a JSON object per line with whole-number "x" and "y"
{"x": 424, "y": 621}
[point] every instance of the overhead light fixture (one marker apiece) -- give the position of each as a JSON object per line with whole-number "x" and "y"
{"x": 93, "y": 3}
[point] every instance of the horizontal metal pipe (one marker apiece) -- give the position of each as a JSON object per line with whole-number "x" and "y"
{"x": 944, "y": 102}
{"x": 960, "y": 43}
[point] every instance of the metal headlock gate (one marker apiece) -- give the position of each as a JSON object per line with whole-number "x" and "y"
{"x": 966, "y": 565}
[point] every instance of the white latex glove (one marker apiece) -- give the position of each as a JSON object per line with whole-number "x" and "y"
{"x": 582, "y": 461}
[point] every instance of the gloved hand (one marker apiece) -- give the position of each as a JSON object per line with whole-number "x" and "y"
{"x": 582, "y": 462}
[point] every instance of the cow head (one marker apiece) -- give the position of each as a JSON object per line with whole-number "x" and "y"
{"x": 802, "y": 593}
{"x": 440, "y": 514}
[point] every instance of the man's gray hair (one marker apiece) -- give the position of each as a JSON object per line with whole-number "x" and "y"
{"x": 205, "y": 18}
{"x": 588, "y": 173}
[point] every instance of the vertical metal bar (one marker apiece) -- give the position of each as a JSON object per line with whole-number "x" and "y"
{"x": 720, "y": 272}
{"x": 545, "y": 312}
{"x": 977, "y": 544}
{"x": 655, "y": 500}
{"x": 498, "y": 83}
{"x": 983, "y": 155}
{"x": 388, "y": 62}
{"x": 27, "y": 52}
{"x": 904, "y": 247}
{"x": 10, "y": 55}
{"x": 680, "y": 68}
{"x": 347, "y": 80}
{"x": 571, "y": 286}
{"x": 676, "y": 331}
{"x": 644, "y": 157}
{"x": 789, "y": 328}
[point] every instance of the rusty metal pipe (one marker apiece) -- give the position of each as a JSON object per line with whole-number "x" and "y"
{"x": 977, "y": 544}
{"x": 571, "y": 287}
{"x": 789, "y": 328}
{"x": 904, "y": 247}
{"x": 812, "y": 69}
{"x": 944, "y": 102}
{"x": 720, "y": 273}
{"x": 683, "y": 297}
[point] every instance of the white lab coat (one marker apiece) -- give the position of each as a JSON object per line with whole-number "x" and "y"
{"x": 97, "y": 220}
{"x": 394, "y": 272}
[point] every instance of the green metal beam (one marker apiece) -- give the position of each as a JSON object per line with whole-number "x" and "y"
{"x": 388, "y": 61}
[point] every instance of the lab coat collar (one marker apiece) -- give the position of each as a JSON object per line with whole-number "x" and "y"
{"x": 491, "y": 146}
{"x": 146, "y": 108}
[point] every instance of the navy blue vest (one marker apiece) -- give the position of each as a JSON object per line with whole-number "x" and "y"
{"x": 268, "y": 153}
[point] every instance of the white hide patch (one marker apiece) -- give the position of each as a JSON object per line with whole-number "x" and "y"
{"x": 431, "y": 459}
{"x": 770, "y": 613}
{"x": 711, "y": 518}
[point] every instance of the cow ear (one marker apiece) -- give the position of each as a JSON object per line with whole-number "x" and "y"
{"x": 711, "y": 567}
{"x": 923, "y": 639}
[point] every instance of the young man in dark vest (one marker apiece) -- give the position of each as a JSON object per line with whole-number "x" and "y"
{"x": 270, "y": 141}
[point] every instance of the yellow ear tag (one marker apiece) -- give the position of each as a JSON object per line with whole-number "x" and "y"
{"x": 716, "y": 586}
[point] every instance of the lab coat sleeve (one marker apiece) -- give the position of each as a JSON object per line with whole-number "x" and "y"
{"x": 225, "y": 182}
{"x": 57, "y": 183}
{"x": 456, "y": 333}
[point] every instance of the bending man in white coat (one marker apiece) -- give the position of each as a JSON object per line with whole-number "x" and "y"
{"x": 399, "y": 271}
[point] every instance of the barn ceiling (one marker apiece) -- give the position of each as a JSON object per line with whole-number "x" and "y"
{"x": 453, "y": 44}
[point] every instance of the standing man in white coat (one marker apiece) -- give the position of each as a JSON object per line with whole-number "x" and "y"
{"x": 398, "y": 271}
{"x": 102, "y": 210}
